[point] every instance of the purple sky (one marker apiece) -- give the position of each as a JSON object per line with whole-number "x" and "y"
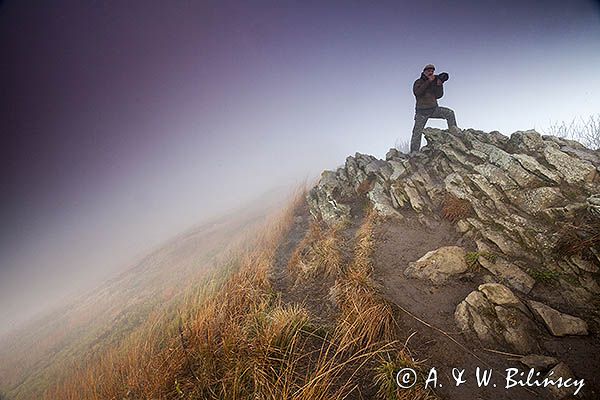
{"x": 125, "y": 122}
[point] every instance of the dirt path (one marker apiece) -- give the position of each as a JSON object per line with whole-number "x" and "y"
{"x": 280, "y": 279}
{"x": 397, "y": 244}
{"x": 313, "y": 294}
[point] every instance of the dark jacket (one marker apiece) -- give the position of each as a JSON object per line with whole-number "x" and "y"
{"x": 427, "y": 92}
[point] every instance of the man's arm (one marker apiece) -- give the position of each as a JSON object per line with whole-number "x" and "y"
{"x": 420, "y": 86}
{"x": 439, "y": 90}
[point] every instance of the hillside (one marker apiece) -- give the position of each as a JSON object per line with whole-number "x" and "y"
{"x": 38, "y": 354}
{"x": 480, "y": 250}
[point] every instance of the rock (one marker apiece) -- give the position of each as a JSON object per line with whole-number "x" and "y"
{"x": 499, "y": 294}
{"x": 399, "y": 168}
{"x": 381, "y": 202}
{"x": 536, "y": 200}
{"x": 538, "y": 362}
{"x": 588, "y": 282}
{"x": 518, "y": 191}
{"x": 416, "y": 202}
{"x": 498, "y": 318}
{"x": 380, "y": 168}
{"x": 559, "y": 324}
{"x": 496, "y": 176}
{"x": 509, "y": 164}
{"x": 510, "y": 273}
{"x": 537, "y": 169}
{"x": 572, "y": 169}
{"x": 438, "y": 265}
{"x": 324, "y": 200}
{"x": 525, "y": 141}
{"x": 471, "y": 314}
{"x": 563, "y": 391}
{"x": 569, "y": 211}
{"x": 485, "y": 187}
{"x": 584, "y": 265}
{"x": 593, "y": 205}
{"x": 392, "y": 153}
{"x": 504, "y": 243}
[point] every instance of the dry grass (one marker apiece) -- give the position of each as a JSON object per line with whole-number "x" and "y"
{"x": 385, "y": 376}
{"x": 585, "y": 130}
{"x": 579, "y": 237}
{"x": 365, "y": 317}
{"x": 318, "y": 253}
{"x": 455, "y": 209}
{"x": 367, "y": 320}
{"x": 365, "y": 186}
{"x": 220, "y": 328}
{"x": 235, "y": 339}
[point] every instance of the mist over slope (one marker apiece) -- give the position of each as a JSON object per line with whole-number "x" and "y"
{"x": 35, "y": 355}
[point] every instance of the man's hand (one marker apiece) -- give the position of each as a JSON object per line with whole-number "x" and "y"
{"x": 439, "y": 82}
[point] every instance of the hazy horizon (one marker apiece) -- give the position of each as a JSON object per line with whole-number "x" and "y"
{"x": 128, "y": 123}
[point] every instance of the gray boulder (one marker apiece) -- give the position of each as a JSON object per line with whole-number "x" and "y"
{"x": 498, "y": 318}
{"x": 438, "y": 265}
{"x": 559, "y": 324}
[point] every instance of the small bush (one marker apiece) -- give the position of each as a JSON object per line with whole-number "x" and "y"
{"x": 580, "y": 236}
{"x": 585, "y": 131}
{"x": 364, "y": 187}
{"x": 455, "y": 209}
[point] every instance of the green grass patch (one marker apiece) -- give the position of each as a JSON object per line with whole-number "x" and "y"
{"x": 472, "y": 259}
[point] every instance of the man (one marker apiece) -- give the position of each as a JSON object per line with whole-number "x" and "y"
{"x": 427, "y": 89}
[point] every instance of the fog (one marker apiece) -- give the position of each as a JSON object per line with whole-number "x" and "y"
{"x": 126, "y": 123}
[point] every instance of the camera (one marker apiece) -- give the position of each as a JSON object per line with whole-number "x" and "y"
{"x": 443, "y": 76}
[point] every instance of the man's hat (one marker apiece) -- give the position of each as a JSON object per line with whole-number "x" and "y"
{"x": 429, "y": 66}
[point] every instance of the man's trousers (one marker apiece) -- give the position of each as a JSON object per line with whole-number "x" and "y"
{"x": 421, "y": 117}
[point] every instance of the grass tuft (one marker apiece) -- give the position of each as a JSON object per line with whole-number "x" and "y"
{"x": 454, "y": 209}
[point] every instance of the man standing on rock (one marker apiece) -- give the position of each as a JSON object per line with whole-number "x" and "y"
{"x": 427, "y": 89}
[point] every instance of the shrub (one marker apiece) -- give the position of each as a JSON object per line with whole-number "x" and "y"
{"x": 586, "y": 131}
{"x": 455, "y": 209}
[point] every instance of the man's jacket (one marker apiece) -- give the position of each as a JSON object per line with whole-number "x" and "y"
{"x": 427, "y": 92}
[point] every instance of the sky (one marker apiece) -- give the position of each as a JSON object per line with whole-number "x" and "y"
{"x": 124, "y": 123}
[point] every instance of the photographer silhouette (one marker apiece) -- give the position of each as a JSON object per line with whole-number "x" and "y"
{"x": 427, "y": 89}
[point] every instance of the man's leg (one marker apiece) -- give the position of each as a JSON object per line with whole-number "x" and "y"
{"x": 447, "y": 114}
{"x": 415, "y": 141}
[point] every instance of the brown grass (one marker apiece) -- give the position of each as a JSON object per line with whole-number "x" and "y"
{"x": 455, "y": 209}
{"x": 364, "y": 187}
{"x": 579, "y": 236}
{"x": 365, "y": 316}
{"x": 218, "y": 324}
{"x": 234, "y": 339}
{"x": 367, "y": 320}
{"x": 317, "y": 253}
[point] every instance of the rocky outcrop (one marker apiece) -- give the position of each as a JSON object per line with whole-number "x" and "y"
{"x": 498, "y": 318}
{"x": 520, "y": 190}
